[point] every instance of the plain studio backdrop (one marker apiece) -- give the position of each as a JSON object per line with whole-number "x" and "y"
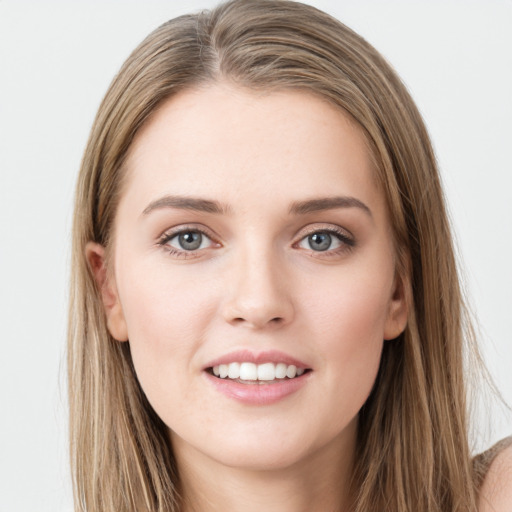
{"x": 56, "y": 62}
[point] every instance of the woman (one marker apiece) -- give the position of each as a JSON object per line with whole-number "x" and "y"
{"x": 264, "y": 269}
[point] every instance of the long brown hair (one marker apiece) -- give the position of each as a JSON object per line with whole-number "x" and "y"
{"x": 412, "y": 448}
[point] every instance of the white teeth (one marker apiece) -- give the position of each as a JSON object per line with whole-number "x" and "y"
{"x": 291, "y": 371}
{"x": 248, "y": 371}
{"x": 234, "y": 370}
{"x": 281, "y": 371}
{"x": 266, "y": 371}
{"x": 251, "y": 371}
{"x": 223, "y": 371}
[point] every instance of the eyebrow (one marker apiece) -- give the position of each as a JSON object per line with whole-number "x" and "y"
{"x": 215, "y": 207}
{"x": 327, "y": 203}
{"x": 187, "y": 203}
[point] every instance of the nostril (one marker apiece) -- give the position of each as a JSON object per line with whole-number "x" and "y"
{"x": 277, "y": 320}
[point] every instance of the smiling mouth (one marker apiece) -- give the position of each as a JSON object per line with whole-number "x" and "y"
{"x": 251, "y": 373}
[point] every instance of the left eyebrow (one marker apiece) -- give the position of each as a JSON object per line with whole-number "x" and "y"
{"x": 327, "y": 203}
{"x": 187, "y": 203}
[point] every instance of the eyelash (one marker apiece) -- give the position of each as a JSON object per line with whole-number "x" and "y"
{"x": 164, "y": 240}
{"x": 347, "y": 242}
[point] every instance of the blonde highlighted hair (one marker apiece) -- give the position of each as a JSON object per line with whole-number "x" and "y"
{"x": 412, "y": 448}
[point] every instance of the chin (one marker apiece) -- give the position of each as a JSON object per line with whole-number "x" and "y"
{"x": 260, "y": 459}
{"x": 263, "y": 449}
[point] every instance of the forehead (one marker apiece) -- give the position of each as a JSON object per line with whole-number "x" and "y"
{"x": 222, "y": 140}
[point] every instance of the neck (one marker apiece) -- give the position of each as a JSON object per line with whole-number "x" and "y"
{"x": 318, "y": 483}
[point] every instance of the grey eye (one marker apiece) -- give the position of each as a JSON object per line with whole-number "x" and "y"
{"x": 319, "y": 241}
{"x": 190, "y": 240}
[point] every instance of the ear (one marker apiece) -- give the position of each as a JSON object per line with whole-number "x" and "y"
{"x": 116, "y": 324}
{"x": 398, "y": 310}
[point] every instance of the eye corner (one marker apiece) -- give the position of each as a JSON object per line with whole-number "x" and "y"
{"x": 174, "y": 241}
{"x": 328, "y": 236}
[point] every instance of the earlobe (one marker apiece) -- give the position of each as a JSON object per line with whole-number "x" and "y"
{"x": 95, "y": 254}
{"x": 398, "y": 310}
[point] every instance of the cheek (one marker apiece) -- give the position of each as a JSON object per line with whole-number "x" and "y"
{"x": 171, "y": 303}
{"x": 348, "y": 321}
{"x": 352, "y": 308}
{"x": 167, "y": 314}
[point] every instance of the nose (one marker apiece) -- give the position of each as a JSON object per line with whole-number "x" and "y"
{"x": 259, "y": 293}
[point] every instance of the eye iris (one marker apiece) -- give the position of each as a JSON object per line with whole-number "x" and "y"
{"x": 319, "y": 241}
{"x": 191, "y": 240}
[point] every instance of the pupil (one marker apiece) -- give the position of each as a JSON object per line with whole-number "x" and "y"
{"x": 320, "y": 241}
{"x": 190, "y": 240}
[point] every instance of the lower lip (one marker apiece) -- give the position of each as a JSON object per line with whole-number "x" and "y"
{"x": 258, "y": 394}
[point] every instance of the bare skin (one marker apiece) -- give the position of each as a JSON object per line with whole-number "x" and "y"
{"x": 252, "y": 224}
{"x": 496, "y": 492}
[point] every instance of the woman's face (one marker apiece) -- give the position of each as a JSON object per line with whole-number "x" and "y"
{"x": 251, "y": 237}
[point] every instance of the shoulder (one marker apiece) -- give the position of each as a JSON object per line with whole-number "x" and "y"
{"x": 496, "y": 489}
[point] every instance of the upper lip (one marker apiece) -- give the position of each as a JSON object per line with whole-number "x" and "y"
{"x": 248, "y": 356}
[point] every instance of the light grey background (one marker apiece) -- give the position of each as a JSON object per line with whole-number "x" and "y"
{"x": 56, "y": 61}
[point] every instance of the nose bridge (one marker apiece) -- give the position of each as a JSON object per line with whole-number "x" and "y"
{"x": 259, "y": 295}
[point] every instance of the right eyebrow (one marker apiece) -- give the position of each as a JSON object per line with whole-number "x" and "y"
{"x": 187, "y": 203}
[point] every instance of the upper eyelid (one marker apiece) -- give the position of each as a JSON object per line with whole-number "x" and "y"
{"x": 323, "y": 227}
{"x": 163, "y": 242}
{"x": 169, "y": 233}
{"x": 344, "y": 236}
